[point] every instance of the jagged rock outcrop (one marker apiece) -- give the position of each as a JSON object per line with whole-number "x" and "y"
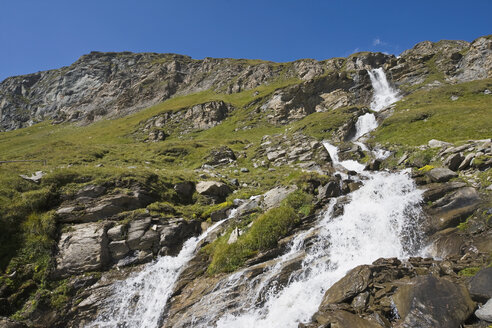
{"x": 198, "y": 117}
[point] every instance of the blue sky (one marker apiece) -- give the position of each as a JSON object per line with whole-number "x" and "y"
{"x": 37, "y": 35}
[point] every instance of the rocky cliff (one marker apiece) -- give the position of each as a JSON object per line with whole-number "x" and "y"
{"x": 109, "y": 85}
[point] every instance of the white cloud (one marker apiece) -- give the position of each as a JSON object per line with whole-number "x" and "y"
{"x": 378, "y": 42}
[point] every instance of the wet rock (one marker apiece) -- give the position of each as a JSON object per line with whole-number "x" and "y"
{"x": 175, "y": 233}
{"x": 373, "y": 165}
{"x": 329, "y": 190}
{"x": 213, "y": 189}
{"x": 485, "y": 312}
{"x": 427, "y": 301}
{"x": 480, "y": 286}
{"x": 82, "y": 248}
{"x": 441, "y": 174}
{"x": 434, "y": 191}
{"x": 275, "y": 196}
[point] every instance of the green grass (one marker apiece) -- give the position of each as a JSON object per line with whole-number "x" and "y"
{"x": 264, "y": 234}
{"x": 427, "y": 115}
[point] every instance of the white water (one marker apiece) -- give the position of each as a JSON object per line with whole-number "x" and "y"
{"x": 365, "y": 124}
{"x": 384, "y": 94}
{"x": 379, "y": 221}
{"x": 139, "y": 300}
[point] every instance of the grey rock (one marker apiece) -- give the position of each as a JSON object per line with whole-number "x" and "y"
{"x": 136, "y": 231}
{"x": 441, "y": 174}
{"x": 480, "y": 286}
{"x": 331, "y": 189}
{"x": 117, "y": 232}
{"x": 244, "y": 170}
{"x": 213, "y": 188}
{"x": 221, "y": 156}
{"x": 427, "y": 301}
{"x": 485, "y": 312}
{"x": 35, "y": 177}
{"x": 466, "y": 162}
{"x": 234, "y": 236}
{"x": 449, "y": 210}
{"x": 149, "y": 241}
{"x": 118, "y": 249}
{"x": 275, "y": 196}
{"x": 433, "y": 143}
{"x": 91, "y": 191}
{"x": 353, "y": 283}
{"x": 8, "y": 323}
{"x": 82, "y": 248}
{"x": 185, "y": 189}
{"x": 453, "y": 161}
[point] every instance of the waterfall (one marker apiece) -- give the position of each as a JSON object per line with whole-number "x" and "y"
{"x": 386, "y": 205}
{"x": 139, "y": 300}
{"x": 380, "y": 220}
{"x": 384, "y": 94}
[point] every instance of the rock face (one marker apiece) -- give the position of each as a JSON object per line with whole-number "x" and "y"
{"x": 391, "y": 293}
{"x": 428, "y": 301}
{"x": 480, "y": 285}
{"x": 199, "y": 117}
{"x": 82, "y": 248}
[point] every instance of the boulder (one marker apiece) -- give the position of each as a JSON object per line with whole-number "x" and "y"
{"x": 185, "y": 189}
{"x": 117, "y": 232}
{"x": 213, "y": 189}
{"x": 82, "y": 248}
{"x": 35, "y": 177}
{"x": 427, "y": 301}
{"x": 220, "y": 156}
{"x": 136, "y": 231}
{"x": 453, "y": 161}
{"x": 118, "y": 249}
{"x": 275, "y": 196}
{"x": 343, "y": 319}
{"x": 353, "y": 283}
{"x": 466, "y": 162}
{"x": 449, "y": 210}
{"x": 480, "y": 286}
{"x": 331, "y": 189}
{"x": 485, "y": 312}
{"x": 373, "y": 165}
{"x": 433, "y": 143}
{"x": 441, "y": 174}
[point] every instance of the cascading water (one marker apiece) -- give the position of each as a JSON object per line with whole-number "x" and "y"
{"x": 386, "y": 205}
{"x": 139, "y": 300}
{"x": 384, "y": 94}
